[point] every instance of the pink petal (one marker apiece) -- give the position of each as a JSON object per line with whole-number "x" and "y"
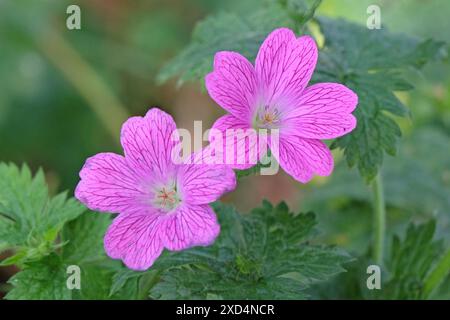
{"x": 242, "y": 147}
{"x": 302, "y": 158}
{"x": 191, "y": 225}
{"x": 284, "y": 66}
{"x": 202, "y": 183}
{"x": 148, "y": 143}
{"x": 108, "y": 184}
{"x": 232, "y": 84}
{"x": 136, "y": 238}
{"x": 323, "y": 112}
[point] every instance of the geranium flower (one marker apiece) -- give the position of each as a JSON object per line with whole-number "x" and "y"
{"x": 161, "y": 204}
{"x": 273, "y": 94}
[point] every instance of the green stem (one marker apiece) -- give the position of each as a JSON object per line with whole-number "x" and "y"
{"x": 147, "y": 282}
{"x": 440, "y": 271}
{"x": 379, "y": 219}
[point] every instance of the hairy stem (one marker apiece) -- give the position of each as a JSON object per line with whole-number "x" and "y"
{"x": 435, "y": 277}
{"x": 379, "y": 219}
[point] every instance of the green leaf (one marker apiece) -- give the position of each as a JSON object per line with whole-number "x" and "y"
{"x": 84, "y": 248}
{"x": 256, "y": 169}
{"x": 121, "y": 278}
{"x": 43, "y": 280}
{"x": 225, "y": 31}
{"x": 96, "y": 281}
{"x": 85, "y": 238}
{"x": 264, "y": 255}
{"x": 301, "y": 11}
{"x": 372, "y": 63}
{"x": 29, "y": 219}
{"x": 437, "y": 276}
{"x": 415, "y": 266}
{"x": 410, "y": 261}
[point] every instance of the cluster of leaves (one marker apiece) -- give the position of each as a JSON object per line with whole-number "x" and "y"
{"x": 410, "y": 270}
{"x": 372, "y": 63}
{"x": 410, "y": 262}
{"x": 48, "y": 234}
{"x": 29, "y": 220}
{"x": 263, "y": 255}
{"x": 50, "y": 276}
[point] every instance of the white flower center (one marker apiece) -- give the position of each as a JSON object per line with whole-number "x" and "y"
{"x": 267, "y": 117}
{"x": 167, "y": 197}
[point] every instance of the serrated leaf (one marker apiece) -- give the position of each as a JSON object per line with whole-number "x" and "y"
{"x": 225, "y": 31}
{"x": 412, "y": 258}
{"x": 410, "y": 261}
{"x": 371, "y": 63}
{"x": 84, "y": 248}
{"x": 29, "y": 218}
{"x": 43, "y": 280}
{"x": 264, "y": 255}
{"x": 85, "y": 238}
{"x": 121, "y": 278}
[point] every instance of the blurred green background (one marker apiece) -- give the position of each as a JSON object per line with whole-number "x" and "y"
{"x": 64, "y": 94}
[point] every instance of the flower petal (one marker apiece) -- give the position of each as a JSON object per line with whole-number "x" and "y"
{"x": 284, "y": 66}
{"x": 301, "y": 158}
{"x": 136, "y": 238}
{"x": 242, "y": 146}
{"x": 108, "y": 184}
{"x": 203, "y": 183}
{"x": 232, "y": 84}
{"x": 148, "y": 143}
{"x": 191, "y": 225}
{"x": 323, "y": 112}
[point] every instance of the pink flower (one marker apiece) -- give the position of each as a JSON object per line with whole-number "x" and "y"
{"x": 273, "y": 94}
{"x": 161, "y": 204}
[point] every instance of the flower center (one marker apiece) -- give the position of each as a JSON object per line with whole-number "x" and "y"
{"x": 267, "y": 117}
{"x": 167, "y": 198}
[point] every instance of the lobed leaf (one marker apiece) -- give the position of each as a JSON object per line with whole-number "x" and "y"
{"x": 84, "y": 248}
{"x": 372, "y": 63}
{"x": 264, "y": 255}
{"x": 29, "y": 218}
{"x": 225, "y": 31}
{"x": 43, "y": 280}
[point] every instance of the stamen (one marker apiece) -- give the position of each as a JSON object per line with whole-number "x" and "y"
{"x": 167, "y": 198}
{"x": 267, "y": 117}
